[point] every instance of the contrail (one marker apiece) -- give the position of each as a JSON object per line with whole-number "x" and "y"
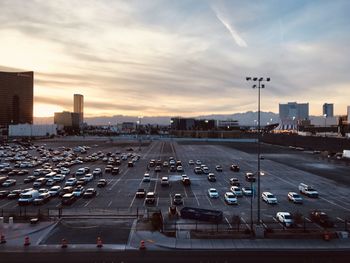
{"x": 239, "y": 41}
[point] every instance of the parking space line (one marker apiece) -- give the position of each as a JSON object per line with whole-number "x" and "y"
{"x": 245, "y": 222}
{"x": 228, "y": 222}
{"x": 157, "y": 201}
{"x": 209, "y": 201}
{"x": 109, "y": 204}
{"x": 118, "y": 180}
{"x": 87, "y": 203}
{"x": 308, "y": 219}
{"x": 7, "y": 203}
{"x": 196, "y": 198}
{"x": 340, "y": 219}
{"x": 185, "y": 192}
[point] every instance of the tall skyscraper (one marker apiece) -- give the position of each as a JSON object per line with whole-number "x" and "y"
{"x": 293, "y": 112}
{"x": 16, "y": 97}
{"x": 79, "y": 106}
{"x": 348, "y": 114}
{"x": 328, "y": 109}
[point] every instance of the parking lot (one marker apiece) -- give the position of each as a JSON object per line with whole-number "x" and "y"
{"x": 279, "y": 178}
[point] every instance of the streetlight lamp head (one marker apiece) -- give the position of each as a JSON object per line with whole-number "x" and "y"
{"x": 267, "y": 79}
{"x": 254, "y": 86}
{"x": 248, "y": 78}
{"x": 262, "y": 86}
{"x": 261, "y": 79}
{"x": 255, "y": 79}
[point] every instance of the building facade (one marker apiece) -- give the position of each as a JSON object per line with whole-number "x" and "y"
{"x": 16, "y": 97}
{"x": 328, "y": 109}
{"x": 79, "y": 107}
{"x": 292, "y": 113}
{"x": 67, "y": 119}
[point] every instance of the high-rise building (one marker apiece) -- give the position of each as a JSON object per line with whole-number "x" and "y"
{"x": 79, "y": 107}
{"x": 348, "y": 114}
{"x": 67, "y": 119}
{"x": 292, "y": 112}
{"x": 328, "y": 109}
{"x": 16, "y": 97}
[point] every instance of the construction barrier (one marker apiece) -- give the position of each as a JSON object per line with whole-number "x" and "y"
{"x": 99, "y": 242}
{"x": 26, "y": 241}
{"x": 64, "y": 243}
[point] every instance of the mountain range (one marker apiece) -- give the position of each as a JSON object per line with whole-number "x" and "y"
{"x": 246, "y": 118}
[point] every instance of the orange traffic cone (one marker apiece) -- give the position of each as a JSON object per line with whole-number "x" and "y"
{"x": 64, "y": 243}
{"x": 142, "y": 245}
{"x": 26, "y": 241}
{"x": 2, "y": 239}
{"x": 99, "y": 242}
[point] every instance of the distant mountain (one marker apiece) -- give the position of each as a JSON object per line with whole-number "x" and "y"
{"x": 247, "y": 118}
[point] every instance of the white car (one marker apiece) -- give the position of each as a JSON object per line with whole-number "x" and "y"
{"x": 146, "y": 178}
{"x": 55, "y": 190}
{"x": 247, "y": 191}
{"x": 71, "y": 182}
{"x": 295, "y": 198}
{"x": 285, "y": 218}
{"x": 236, "y": 190}
{"x": 88, "y": 178}
{"x": 198, "y": 162}
{"x": 230, "y": 198}
{"x": 179, "y": 168}
{"x": 213, "y": 193}
{"x": 191, "y": 162}
{"x": 97, "y": 172}
{"x": 269, "y": 198}
{"x": 59, "y": 177}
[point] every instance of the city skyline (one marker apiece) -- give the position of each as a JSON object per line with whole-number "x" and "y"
{"x": 186, "y": 58}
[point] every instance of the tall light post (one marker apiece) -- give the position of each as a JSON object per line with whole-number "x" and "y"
{"x": 258, "y": 84}
{"x": 325, "y": 124}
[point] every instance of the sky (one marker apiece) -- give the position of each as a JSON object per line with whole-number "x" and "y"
{"x": 178, "y": 58}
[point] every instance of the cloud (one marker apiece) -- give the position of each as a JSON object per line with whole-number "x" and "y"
{"x": 236, "y": 37}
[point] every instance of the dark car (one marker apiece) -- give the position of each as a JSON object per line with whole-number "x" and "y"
{"x": 172, "y": 168}
{"x": 321, "y": 218}
{"x": 211, "y": 177}
{"x": 89, "y": 193}
{"x": 218, "y": 168}
{"x": 234, "y": 167}
{"x": 29, "y": 179}
{"x": 102, "y": 183}
{"x": 4, "y": 193}
{"x": 234, "y": 181}
{"x": 249, "y": 177}
{"x": 130, "y": 164}
{"x": 68, "y": 199}
{"x": 186, "y": 180}
{"x": 150, "y": 198}
{"x": 157, "y": 169}
{"x": 177, "y": 199}
{"x": 140, "y": 193}
{"x": 115, "y": 170}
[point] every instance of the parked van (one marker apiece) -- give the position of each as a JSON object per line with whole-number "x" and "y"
{"x": 308, "y": 190}
{"x": 28, "y": 197}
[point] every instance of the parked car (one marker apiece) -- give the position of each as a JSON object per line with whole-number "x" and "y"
{"x": 55, "y": 190}
{"x": 68, "y": 199}
{"x": 197, "y": 170}
{"x": 211, "y": 177}
{"x": 97, "y": 172}
{"x": 269, "y": 198}
{"x": 218, "y": 168}
{"x": 295, "y": 198}
{"x": 88, "y": 177}
{"x": 234, "y": 181}
{"x": 164, "y": 181}
{"x": 140, "y": 193}
{"x": 71, "y": 182}
{"x": 102, "y": 183}
{"x": 80, "y": 172}
{"x": 42, "y": 199}
{"x": 115, "y": 170}
{"x": 150, "y": 198}
{"x": 247, "y": 191}
{"x": 89, "y": 193}
{"x": 285, "y": 218}
{"x": 249, "y": 177}
{"x": 9, "y": 182}
{"x": 230, "y": 198}
{"x": 213, "y": 193}
{"x": 191, "y": 162}
{"x": 29, "y": 179}
{"x": 321, "y": 218}
{"x": 234, "y": 168}
{"x": 177, "y": 200}
{"x": 78, "y": 191}
{"x": 236, "y": 190}
{"x": 308, "y": 190}
{"x": 146, "y": 178}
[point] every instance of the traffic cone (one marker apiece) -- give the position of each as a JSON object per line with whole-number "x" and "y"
{"x": 2, "y": 239}
{"x": 99, "y": 242}
{"x": 26, "y": 241}
{"x": 64, "y": 243}
{"x": 142, "y": 245}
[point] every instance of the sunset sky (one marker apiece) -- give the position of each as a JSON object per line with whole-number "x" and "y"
{"x": 184, "y": 57}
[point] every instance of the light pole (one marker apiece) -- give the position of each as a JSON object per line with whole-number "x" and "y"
{"x": 259, "y": 86}
{"x": 325, "y": 124}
